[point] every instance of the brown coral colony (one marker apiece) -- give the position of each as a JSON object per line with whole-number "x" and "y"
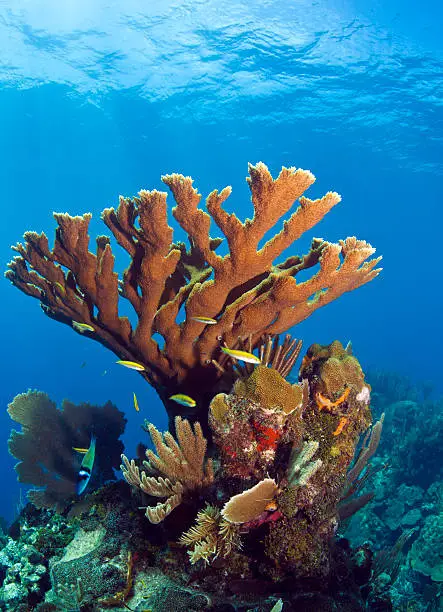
{"x": 282, "y": 452}
{"x": 244, "y": 291}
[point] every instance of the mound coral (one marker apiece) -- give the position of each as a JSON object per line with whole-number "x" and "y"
{"x": 244, "y": 291}
{"x": 307, "y": 461}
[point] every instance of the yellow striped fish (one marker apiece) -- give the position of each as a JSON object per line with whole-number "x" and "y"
{"x": 205, "y": 320}
{"x": 60, "y": 287}
{"x": 183, "y": 399}
{"x": 132, "y": 365}
{"x": 82, "y": 327}
{"x": 241, "y": 355}
{"x": 136, "y": 406}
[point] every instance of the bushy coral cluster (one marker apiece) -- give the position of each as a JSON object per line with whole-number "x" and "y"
{"x": 248, "y": 424}
{"x": 24, "y": 570}
{"x": 280, "y": 464}
{"x": 265, "y": 504}
{"x": 181, "y": 466}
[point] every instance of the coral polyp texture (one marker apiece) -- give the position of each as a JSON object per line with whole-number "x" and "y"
{"x": 246, "y": 291}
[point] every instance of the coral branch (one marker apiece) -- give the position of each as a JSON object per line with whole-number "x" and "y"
{"x": 368, "y": 449}
{"x": 212, "y": 536}
{"x": 247, "y": 292}
{"x": 182, "y": 464}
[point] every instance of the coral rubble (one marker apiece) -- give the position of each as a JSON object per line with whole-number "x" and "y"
{"x": 406, "y": 477}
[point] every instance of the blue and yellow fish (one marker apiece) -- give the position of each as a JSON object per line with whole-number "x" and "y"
{"x": 84, "y": 473}
{"x": 183, "y": 400}
{"x": 205, "y": 320}
{"x": 136, "y": 406}
{"x": 82, "y": 327}
{"x": 132, "y": 365}
{"x": 241, "y": 355}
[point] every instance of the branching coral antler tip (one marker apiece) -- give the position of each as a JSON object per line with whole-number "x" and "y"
{"x": 336, "y": 196}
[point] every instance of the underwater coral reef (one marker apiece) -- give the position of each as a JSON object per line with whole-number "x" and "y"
{"x": 408, "y": 490}
{"x": 239, "y": 504}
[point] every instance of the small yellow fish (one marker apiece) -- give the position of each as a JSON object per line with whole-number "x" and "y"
{"x": 205, "y": 320}
{"x": 136, "y": 406}
{"x": 82, "y": 327}
{"x": 80, "y": 450}
{"x": 60, "y": 287}
{"x": 183, "y": 399}
{"x": 241, "y": 355}
{"x": 132, "y": 365}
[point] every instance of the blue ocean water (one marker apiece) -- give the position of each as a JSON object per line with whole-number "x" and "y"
{"x": 101, "y": 98}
